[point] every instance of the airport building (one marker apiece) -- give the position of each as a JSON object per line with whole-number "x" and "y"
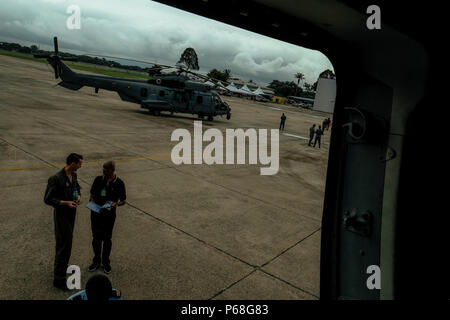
{"x": 325, "y": 95}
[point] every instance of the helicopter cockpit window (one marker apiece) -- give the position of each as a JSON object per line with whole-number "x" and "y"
{"x": 144, "y": 92}
{"x": 200, "y": 99}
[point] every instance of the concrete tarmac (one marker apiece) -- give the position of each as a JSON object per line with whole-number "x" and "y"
{"x": 187, "y": 231}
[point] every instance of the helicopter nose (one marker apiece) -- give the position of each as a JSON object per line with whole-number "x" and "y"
{"x": 224, "y": 106}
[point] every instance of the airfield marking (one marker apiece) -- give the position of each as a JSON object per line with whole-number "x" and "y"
{"x": 26, "y": 168}
{"x": 86, "y": 163}
{"x": 290, "y": 111}
{"x": 295, "y": 136}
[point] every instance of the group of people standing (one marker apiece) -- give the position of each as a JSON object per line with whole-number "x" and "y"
{"x": 318, "y": 132}
{"x": 312, "y": 131}
{"x": 63, "y": 193}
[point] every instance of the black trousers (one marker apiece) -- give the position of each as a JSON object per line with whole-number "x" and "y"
{"x": 282, "y": 125}
{"x": 317, "y": 140}
{"x": 102, "y": 225}
{"x": 310, "y": 140}
{"x": 64, "y": 224}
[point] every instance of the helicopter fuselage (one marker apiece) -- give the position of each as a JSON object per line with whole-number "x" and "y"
{"x": 181, "y": 95}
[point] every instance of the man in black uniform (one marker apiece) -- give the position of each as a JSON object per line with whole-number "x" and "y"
{"x": 312, "y": 130}
{"x": 106, "y": 188}
{"x": 283, "y": 120}
{"x": 319, "y": 133}
{"x": 324, "y": 124}
{"x": 63, "y": 194}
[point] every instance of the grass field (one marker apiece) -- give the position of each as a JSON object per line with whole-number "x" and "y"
{"x": 112, "y": 72}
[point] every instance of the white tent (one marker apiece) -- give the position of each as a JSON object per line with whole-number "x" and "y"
{"x": 245, "y": 88}
{"x": 220, "y": 88}
{"x": 258, "y": 91}
{"x": 232, "y": 88}
{"x": 246, "y": 92}
{"x": 217, "y": 86}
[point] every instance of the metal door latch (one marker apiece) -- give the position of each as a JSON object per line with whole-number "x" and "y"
{"x": 364, "y": 126}
{"x": 358, "y": 222}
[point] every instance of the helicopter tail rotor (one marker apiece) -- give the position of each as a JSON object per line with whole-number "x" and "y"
{"x": 55, "y": 59}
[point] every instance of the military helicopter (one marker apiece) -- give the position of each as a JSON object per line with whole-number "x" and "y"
{"x": 172, "y": 92}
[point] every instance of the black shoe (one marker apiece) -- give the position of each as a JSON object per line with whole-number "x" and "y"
{"x": 60, "y": 284}
{"x": 93, "y": 267}
{"x": 107, "y": 268}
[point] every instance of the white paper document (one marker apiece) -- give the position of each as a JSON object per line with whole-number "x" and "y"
{"x": 96, "y": 208}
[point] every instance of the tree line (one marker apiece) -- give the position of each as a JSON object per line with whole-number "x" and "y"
{"x": 290, "y": 88}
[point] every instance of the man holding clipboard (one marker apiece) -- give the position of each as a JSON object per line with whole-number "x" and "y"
{"x": 107, "y": 193}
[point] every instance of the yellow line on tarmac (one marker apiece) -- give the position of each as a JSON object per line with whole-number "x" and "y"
{"x": 85, "y": 163}
{"x": 26, "y": 168}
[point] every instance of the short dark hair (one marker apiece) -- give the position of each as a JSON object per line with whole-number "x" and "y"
{"x": 73, "y": 157}
{"x": 98, "y": 288}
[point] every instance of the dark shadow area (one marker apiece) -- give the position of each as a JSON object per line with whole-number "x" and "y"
{"x": 423, "y": 237}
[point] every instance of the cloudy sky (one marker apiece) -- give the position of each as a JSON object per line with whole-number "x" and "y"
{"x": 146, "y": 30}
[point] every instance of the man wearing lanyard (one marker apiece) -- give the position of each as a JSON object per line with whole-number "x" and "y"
{"x": 106, "y": 188}
{"x": 63, "y": 194}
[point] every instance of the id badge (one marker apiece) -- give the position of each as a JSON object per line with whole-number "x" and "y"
{"x": 103, "y": 192}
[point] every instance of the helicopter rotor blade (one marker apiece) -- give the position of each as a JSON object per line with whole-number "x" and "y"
{"x": 156, "y": 66}
{"x": 128, "y": 59}
{"x": 41, "y": 56}
{"x": 55, "y": 43}
{"x": 215, "y": 81}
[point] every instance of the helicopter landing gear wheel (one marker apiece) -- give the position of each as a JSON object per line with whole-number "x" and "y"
{"x": 200, "y": 115}
{"x": 210, "y": 118}
{"x": 228, "y": 116}
{"x": 154, "y": 112}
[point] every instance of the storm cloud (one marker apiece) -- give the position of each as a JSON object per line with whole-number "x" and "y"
{"x": 150, "y": 31}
